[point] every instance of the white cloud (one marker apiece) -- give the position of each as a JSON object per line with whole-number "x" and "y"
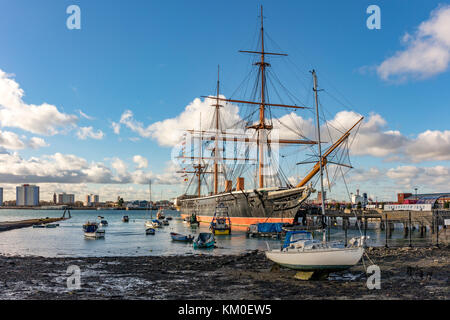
{"x": 116, "y": 127}
{"x": 43, "y": 119}
{"x": 84, "y": 115}
{"x": 67, "y": 168}
{"x": 11, "y": 141}
{"x": 434, "y": 178}
{"x": 427, "y": 51}
{"x": 430, "y": 145}
{"x": 141, "y": 161}
{"x": 375, "y": 139}
{"x": 121, "y": 168}
{"x": 88, "y": 132}
{"x": 372, "y": 138}
{"x": 168, "y": 132}
{"x": 293, "y": 126}
{"x": 107, "y": 192}
{"x": 51, "y": 168}
{"x": 362, "y": 175}
{"x": 36, "y": 143}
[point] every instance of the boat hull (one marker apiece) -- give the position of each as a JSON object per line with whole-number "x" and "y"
{"x": 317, "y": 260}
{"x": 222, "y": 232}
{"x": 181, "y": 238}
{"x": 204, "y": 241}
{"x": 94, "y": 235}
{"x": 249, "y": 207}
{"x": 153, "y": 224}
{"x": 203, "y": 246}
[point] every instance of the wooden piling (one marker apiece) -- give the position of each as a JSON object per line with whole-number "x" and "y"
{"x": 365, "y": 227}
{"x": 386, "y": 230}
{"x": 437, "y": 229}
{"x": 410, "y": 230}
{"x": 423, "y": 231}
{"x": 345, "y": 226}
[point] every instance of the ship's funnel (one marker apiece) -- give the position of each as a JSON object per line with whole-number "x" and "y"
{"x": 228, "y": 185}
{"x": 240, "y": 184}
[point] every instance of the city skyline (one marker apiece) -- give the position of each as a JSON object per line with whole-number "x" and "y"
{"x": 95, "y": 110}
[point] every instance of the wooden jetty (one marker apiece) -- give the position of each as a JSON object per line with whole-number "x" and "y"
{"x": 10, "y": 225}
{"x": 424, "y": 220}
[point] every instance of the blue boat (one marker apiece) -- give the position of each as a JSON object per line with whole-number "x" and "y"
{"x": 150, "y": 231}
{"x": 181, "y": 237}
{"x": 204, "y": 240}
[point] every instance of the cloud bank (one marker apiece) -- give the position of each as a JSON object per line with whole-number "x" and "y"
{"x": 67, "y": 168}
{"x": 169, "y": 132}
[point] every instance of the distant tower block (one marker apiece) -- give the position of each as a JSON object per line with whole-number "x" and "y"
{"x": 240, "y": 184}
{"x": 228, "y": 185}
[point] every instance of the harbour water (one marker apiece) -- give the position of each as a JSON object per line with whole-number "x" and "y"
{"x": 129, "y": 239}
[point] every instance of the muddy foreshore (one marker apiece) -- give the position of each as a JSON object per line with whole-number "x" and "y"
{"x": 417, "y": 273}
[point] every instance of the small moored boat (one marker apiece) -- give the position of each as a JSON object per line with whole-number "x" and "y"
{"x": 181, "y": 237}
{"x": 91, "y": 230}
{"x": 103, "y": 223}
{"x": 153, "y": 224}
{"x": 160, "y": 214}
{"x": 165, "y": 222}
{"x": 193, "y": 222}
{"x": 150, "y": 231}
{"x": 221, "y": 223}
{"x": 204, "y": 240}
{"x": 125, "y": 219}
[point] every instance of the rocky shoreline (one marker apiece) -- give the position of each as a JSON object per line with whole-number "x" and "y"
{"x": 406, "y": 273}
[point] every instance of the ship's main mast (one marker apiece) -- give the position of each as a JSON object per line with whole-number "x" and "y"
{"x": 262, "y": 66}
{"x": 261, "y": 127}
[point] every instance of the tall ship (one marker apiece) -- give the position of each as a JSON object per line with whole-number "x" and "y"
{"x": 251, "y": 148}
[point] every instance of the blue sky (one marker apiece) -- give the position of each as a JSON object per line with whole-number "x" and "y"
{"x": 155, "y": 57}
